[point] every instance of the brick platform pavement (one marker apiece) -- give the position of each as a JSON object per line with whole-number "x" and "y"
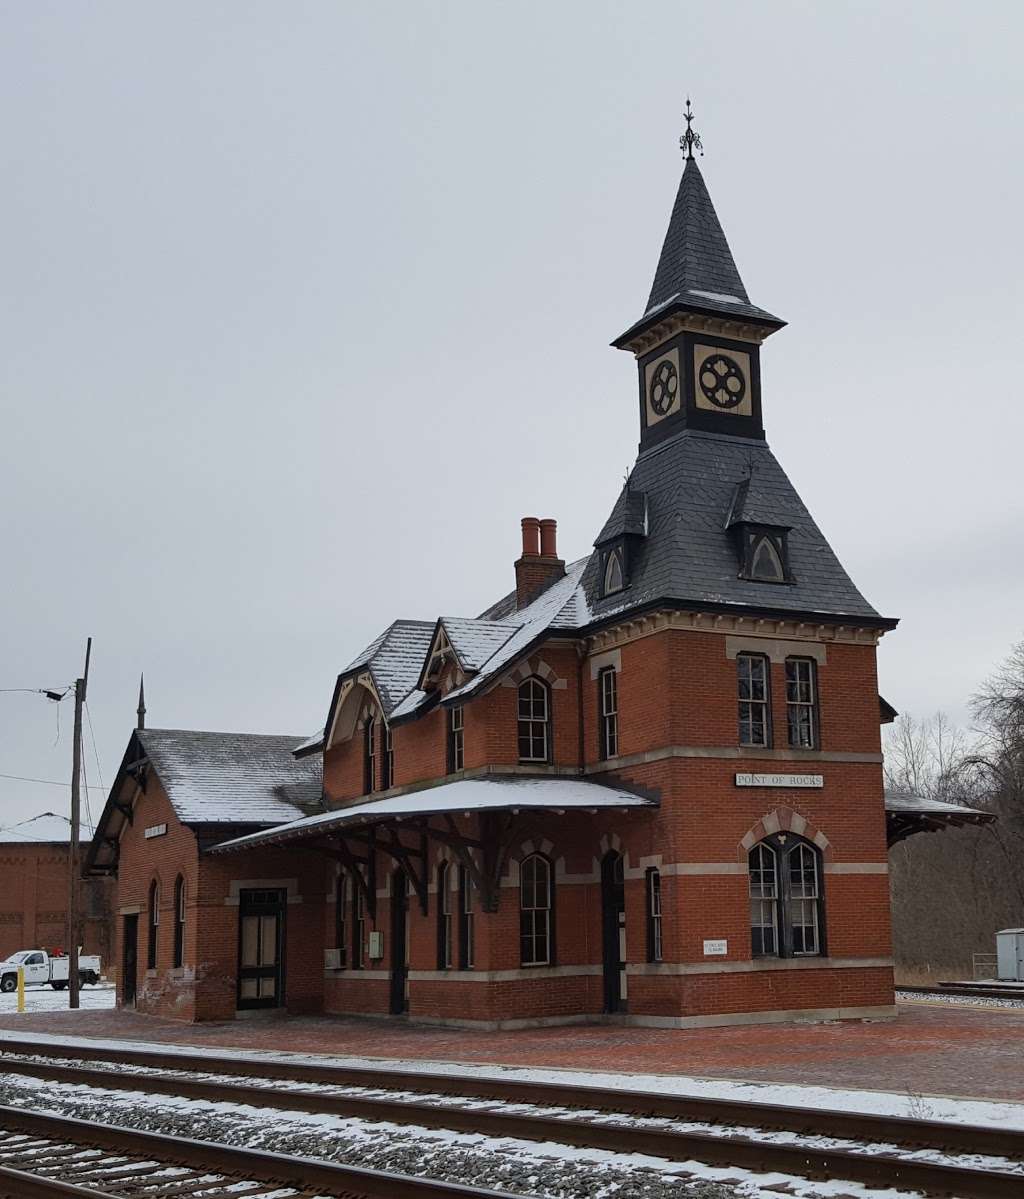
{"x": 932, "y": 1050}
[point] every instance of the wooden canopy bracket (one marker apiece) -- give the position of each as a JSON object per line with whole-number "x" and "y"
{"x": 406, "y": 856}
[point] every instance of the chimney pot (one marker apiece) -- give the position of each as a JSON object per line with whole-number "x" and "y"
{"x": 548, "y": 531}
{"x": 531, "y": 536}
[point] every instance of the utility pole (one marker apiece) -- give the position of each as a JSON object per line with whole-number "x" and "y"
{"x": 76, "y": 823}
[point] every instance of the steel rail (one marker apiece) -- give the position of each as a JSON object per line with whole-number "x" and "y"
{"x": 303, "y": 1174}
{"x": 875, "y": 1165}
{"x": 900, "y": 1130}
{"x": 955, "y": 989}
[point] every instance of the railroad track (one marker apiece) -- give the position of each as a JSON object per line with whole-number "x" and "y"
{"x": 980, "y": 992}
{"x": 44, "y": 1156}
{"x": 875, "y": 1150}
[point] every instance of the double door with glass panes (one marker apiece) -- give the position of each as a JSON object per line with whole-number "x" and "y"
{"x": 261, "y": 931}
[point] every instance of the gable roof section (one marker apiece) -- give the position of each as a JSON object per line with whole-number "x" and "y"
{"x": 393, "y": 660}
{"x": 231, "y": 779}
{"x": 561, "y": 608}
{"x": 45, "y": 829}
{"x": 688, "y": 557}
{"x": 476, "y": 641}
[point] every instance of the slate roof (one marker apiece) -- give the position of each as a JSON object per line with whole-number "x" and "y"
{"x": 232, "y": 778}
{"x": 475, "y": 641}
{"x": 628, "y": 516}
{"x": 466, "y": 795}
{"x": 696, "y": 269}
{"x": 754, "y": 502}
{"x": 395, "y": 659}
{"x": 688, "y": 556}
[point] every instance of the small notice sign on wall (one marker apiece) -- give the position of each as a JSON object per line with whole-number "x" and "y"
{"x": 780, "y": 780}
{"x": 716, "y": 949}
{"x": 156, "y": 830}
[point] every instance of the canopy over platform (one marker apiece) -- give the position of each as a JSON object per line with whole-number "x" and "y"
{"x": 466, "y": 796}
{"x": 403, "y": 826}
{"x": 909, "y": 814}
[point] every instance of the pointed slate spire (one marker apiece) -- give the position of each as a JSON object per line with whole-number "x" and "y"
{"x": 141, "y": 710}
{"x": 695, "y": 257}
{"x": 696, "y": 271}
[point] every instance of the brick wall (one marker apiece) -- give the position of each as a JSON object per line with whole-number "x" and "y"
{"x": 34, "y": 902}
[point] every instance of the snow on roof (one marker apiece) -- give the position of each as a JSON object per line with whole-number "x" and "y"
{"x": 314, "y": 742}
{"x": 46, "y": 829}
{"x": 476, "y": 640}
{"x": 467, "y": 795}
{"x": 395, "y": 659}
{"x": 233, "y": 778}
{"x": 562, "y": 606}
{"x": 918, "y": 803}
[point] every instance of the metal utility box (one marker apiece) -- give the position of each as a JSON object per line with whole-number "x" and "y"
{"x": 1010, "y": 954}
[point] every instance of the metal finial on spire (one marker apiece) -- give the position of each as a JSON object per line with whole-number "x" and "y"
{"x": 141, "y": 710}
{"x": 690, "y": 140}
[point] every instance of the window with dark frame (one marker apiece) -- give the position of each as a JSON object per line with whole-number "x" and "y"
{"x": 802, "y": 702}
{"x": 370, "y": 755}
{"x": 786, "y": 901}
{"x": 179, "y": 923}
{"x": 754, "y": 690}
{"x": 653, "y": 914}
{"x": 465, "y": 919}
{"x": 340, "y": 917}
{"x": 154, "y": 924}
{"x": 444, "y": 917}
{"x": 387, "y": 758}
{"x": 608, "y": 690}
{"x": 535, "y": 898}
{"x": 456, "y": 744}
{"x": 766, "y": 564}
{"x": 534, "y": 721}
{"x": 614, "y": 575}
{"x": 358, "y": 924}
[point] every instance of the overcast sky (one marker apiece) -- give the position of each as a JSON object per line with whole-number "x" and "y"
{"x": 304, "y": 305}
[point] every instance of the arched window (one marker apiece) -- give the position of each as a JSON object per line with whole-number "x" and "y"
{"x": 370, "y": 755}
{"x": 444, "y": 917}
{"x": 154, "y": 923}
{"x": 765, "y": 562}
{"x": 614, "y": 579}
{"x": 786, "y": 908}
{"x": 536, "y": 939}
{"x": 179, "y": 923}
{"x": 534, "y": 721}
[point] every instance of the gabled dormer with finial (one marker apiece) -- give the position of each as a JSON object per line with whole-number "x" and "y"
{"x": 697, "y": 343}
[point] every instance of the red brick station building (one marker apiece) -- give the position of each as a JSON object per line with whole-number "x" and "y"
{"x": 645, "y": 787}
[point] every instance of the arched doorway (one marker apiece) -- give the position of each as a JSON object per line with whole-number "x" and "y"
{"x": 613, "y": 923}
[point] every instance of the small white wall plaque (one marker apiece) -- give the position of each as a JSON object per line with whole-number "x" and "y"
{"x": 780, "y": 780}
{"x": 716, "y": 949}
{"x": 156, "y": 830}
{"x": 375, "y": 946}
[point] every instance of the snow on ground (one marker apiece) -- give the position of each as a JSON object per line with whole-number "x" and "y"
{"x": 46, "y": 999}
{"x": 956, "y": 1109}
{"x": 960, "y": 1000}
{"x": 547, "y": 1169}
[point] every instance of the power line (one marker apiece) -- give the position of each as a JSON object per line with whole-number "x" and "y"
{"x": 96, "y": 755}
{"x": 21, "y": 778}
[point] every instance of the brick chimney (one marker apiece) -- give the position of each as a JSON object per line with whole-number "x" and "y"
{"x": 540, "y": 565}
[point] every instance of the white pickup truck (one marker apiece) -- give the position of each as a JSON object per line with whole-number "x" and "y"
{"x": 40, "y": 967}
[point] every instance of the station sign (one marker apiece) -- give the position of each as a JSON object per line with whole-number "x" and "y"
{"x": 780, "y": 780}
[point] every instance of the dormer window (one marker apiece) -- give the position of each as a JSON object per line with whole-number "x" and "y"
{"x": 613, "y": 577}
{"x": 766, "y": 564}
{"x": 764, "y": 556}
